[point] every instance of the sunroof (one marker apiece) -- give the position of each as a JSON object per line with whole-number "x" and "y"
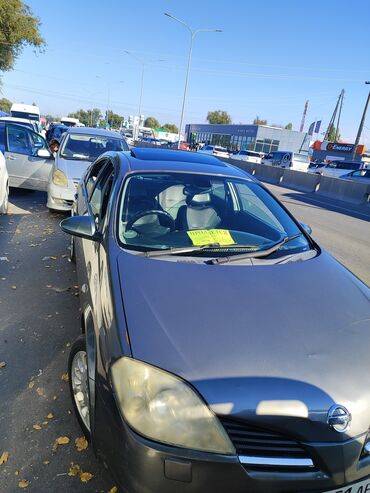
{"x": 150, "y": 154}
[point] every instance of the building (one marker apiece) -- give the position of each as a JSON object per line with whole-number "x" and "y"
{"x": 336, "y": 151}
{"x": 258, "y": 138}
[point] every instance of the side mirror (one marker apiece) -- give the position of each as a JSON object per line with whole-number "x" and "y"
{"x": 43, "y": 153}
{"x": 307, "y": 228}
{"x": 81, "y": 226}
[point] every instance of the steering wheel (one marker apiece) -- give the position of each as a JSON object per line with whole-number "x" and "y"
{"x": 170, "y": 220}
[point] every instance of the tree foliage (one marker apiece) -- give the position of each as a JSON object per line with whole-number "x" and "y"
{"x": 18, "y": 28}
{"x": 151, "y": 122}
{"x": 114, "y": 119}
{"x": 259, "y": 121}
{"x": 5, "y": 105}
{"x": 170, "y": 127}
{"x": 218, "y": 117}
{"x": 289, "y": 126}
{"x": 334, "y": 134}
{"x": 87, "y": 117}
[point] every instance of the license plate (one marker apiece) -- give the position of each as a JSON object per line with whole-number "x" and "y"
{"x": 361, "y": 487}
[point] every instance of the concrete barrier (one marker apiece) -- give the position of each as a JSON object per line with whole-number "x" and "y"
{"x": 271, "y": 174}
{"x": 346, "y": 190}
{"x": 299, "y": 180}
{"x": 244, "y": 165}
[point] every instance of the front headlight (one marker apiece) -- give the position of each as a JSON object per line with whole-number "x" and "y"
{"x": 59, "y": 178}
{"x": 162, "y": 407}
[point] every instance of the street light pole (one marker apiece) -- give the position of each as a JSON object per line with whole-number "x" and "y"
{"x": 193, "y": 33}
{"x": 360, "y": 128}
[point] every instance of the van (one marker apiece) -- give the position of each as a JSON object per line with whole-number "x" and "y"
{"x": 287, "y": 159}
{"x": 27, "y": 111}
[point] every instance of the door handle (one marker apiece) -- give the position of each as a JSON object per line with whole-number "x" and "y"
{"x": 11, "y": 158}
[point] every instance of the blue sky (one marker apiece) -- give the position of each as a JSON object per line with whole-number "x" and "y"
{"x": 271, "y": 56}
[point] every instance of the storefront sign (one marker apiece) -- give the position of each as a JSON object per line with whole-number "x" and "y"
{"x": 339, "y": 147}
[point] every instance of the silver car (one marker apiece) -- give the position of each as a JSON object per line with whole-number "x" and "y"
{"x": 79, "y": 147}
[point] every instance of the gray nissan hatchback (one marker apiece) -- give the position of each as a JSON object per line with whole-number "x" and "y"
{"x": 202, "y": 366}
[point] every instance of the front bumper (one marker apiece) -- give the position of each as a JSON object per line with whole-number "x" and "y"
{"x": 61, "y": 198}
{"x": 142, "y": 466}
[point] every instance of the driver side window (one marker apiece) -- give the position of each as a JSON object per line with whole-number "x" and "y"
{"x": 18, "y": 140}
{"x": 100, "y": 195}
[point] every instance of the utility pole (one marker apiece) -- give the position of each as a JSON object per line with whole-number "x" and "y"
{"x": 339, "y": 115}
{"x": 360, "y": 128}
{"x": 304, "y": 116}
{"x": 332, "y": 120}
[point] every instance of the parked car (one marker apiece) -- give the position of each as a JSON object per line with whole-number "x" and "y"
{"x": 56, "y": 132}
{"x": 287, "y": 159}
{"x": 27, "y": 157}
{"x": 360, "y": 175}
{"x": 79, "y": 147}
{"x": 316, "y": 167}
{"x": 202, "y": 365}
{"x": 4, "y": 185}
{"x": 217, "y": 151}
{"x": 249, "y": 156}
{"x": 339, "y": 168}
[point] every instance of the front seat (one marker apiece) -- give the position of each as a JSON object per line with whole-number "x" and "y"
{"x": 198, "y": 213}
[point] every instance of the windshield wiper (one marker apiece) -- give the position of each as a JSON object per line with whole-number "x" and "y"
{"x": 191, "y": 249}
{"x": 255, "y": 254}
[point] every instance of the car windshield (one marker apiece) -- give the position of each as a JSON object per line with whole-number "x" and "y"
{"x": 88, "y": 147}
{"x": 176, "y": 210}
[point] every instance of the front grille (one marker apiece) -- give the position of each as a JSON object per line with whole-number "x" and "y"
{"x": 263, "y": 448}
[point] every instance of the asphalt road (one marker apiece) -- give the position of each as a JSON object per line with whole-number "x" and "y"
{"x": 39, "y": 318}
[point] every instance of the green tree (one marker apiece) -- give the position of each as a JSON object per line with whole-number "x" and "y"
{"x": 289, "y": 126}
{"x": 87, "y": 117}
{"x": 114, "y": 120}
{"x": 170, "y": 127}
{"x": 259, "y": 121}
{"x": 151, "y": 122}
{"x": 334, "y": 134}
{"x": 5, "y": 105}
{"x": 51, "y": 118}
{"x": 18, "y": 28}
{"x": 218, "y": 117}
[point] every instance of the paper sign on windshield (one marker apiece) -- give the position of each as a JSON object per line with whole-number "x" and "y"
{"x": 201, "y": 237}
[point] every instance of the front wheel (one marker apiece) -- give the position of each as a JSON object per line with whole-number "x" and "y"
{"x": 72, "y": 251}
{"x": 79, "y": 384}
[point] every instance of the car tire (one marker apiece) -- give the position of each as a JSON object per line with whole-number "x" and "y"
{"x": 4, "y": 205}
{"x": 79, "y": 385}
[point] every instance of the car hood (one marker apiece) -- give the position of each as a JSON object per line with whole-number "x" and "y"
{"x": 257, "y": 342}
{"x": 73, "y": 168}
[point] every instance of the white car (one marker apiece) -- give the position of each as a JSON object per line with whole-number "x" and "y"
{"x": 249, "y": 156}
{"x": 217, "y": 151}
{"x": 4, "y": 185}
{"x": 79, "y": 147}
{"x": 338, "y": 168}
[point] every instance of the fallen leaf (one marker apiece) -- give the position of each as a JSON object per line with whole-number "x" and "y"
{"x": 4, "y": 457}
{"x": 86, "y": 476}
{"x": 23, "y": 484}
{"x": 113, "y": 490}
{"x": 54, "y": 398}
{"x": 62, "y": 440}
{"x": 31, "y": 384}
{"x": 16, "y": 473}
{"x": 45, "y": 423}
{"x": 50, "y": 416}
{"x": 2, "y": 364}
{"x": 74, "y": 470}
{"x": 53, "y": 257}
{"x": 46, "y": 462}
{"x": 36, "y": 427}
{"x": 14, "y": 287}
{"x": 65, "y": 377}
{"x": 81, "y": 443}
{"x": 49, "y": 286}
{"x": 4, "y": 259}
{"x": 40, "y": 392}
{"x": 18, "y": 232}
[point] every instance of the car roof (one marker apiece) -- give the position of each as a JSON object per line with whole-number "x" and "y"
{"x": 94, "y": 131}
{"x": 150, "y": 159}
{"x": 14, "y": 119}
